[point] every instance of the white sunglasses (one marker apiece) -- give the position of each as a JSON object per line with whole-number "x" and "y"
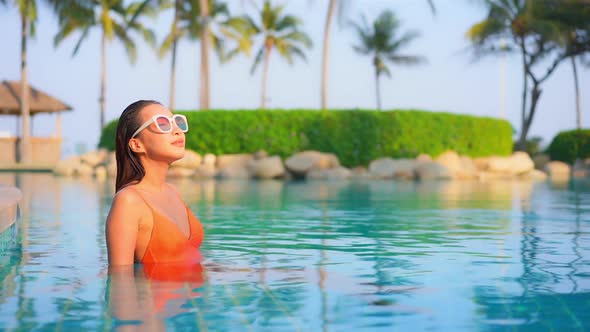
{"x": 164, "y": 123}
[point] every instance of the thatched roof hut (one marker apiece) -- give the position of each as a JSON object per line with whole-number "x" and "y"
{"x": 39, "y": 101}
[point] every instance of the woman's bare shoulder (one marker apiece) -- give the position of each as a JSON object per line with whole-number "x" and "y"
{"x": 128, "y": 196}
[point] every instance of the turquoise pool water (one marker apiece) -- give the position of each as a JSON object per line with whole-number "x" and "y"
{"x": 315, "y": 256}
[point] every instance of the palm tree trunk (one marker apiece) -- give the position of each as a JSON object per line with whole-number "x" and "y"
{"x": 522, "y": 143}
{"x": 267, "y": 50}
{"x": 103, "y": 78}
{"x": 577, "y": 90}
{"x": 25, "y": 143}
{"x": 173, "y": 66}
{"x": 526, "y": 125}
{"x": 378, "y": 88}
{"x": 204, "y": 88}
{"x": 329, "y": 16}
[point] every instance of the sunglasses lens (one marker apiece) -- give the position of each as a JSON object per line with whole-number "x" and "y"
{"x": 163, "y": 124}
{"x": 181, "y": 123}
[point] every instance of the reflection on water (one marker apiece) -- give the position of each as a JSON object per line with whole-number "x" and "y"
{"x": 311, "y": 256}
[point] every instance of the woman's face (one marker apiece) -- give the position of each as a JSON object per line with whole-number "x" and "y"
{"x": 157, "y": 145}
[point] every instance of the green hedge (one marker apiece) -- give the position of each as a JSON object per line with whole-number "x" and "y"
{"x": 567, "y": 146}
{"x": 355, "y": 136}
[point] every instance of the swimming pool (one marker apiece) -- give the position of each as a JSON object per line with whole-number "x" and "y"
{"x": 311, "y": 256}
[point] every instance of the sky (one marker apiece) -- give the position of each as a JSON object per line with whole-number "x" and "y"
{"x": 450, "y": 81}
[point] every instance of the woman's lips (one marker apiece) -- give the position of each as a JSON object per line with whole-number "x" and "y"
{"x": 179, "y": 142}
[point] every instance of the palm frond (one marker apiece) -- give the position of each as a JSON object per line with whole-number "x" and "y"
{"x": 257, "y": 60}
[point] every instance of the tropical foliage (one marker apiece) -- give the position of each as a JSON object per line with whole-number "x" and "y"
{"x": 274, "y": 31}
{"x": 570, "y": 145}
{"x": 383, "y": 42}
{"x": 116, "y": 19}
{"x": 188, "y": 23}
{"x": 535, "y": 30}
{"x": 376, "y": 134}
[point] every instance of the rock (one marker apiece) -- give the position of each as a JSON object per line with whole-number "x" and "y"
{"x": 180, "y": 172}
{"x": 241, "y": 159}
{"x": 260, "y": 154}
{"x": 360, "y": 172}
{"x": 301, "y": 163}
{"x": 535, "y": 175}
{"x": 540, "y": 161}
{"x": 267, "y": 168}
{"x": 580, "y": 169}
{"x": 209, "y": 159}
{"x": 468, "y": 169}
{"x": 482, "y": 163}
{"x": 206, "y": 171}
{"x": 67, "y": 167}
{"x": 94, "y": 158}
{"x": 518, "y": 163}
{"x": 423, "y": 157}
{"x": 100, "y": 173}
{"x": 451, "y": 160}
{"x": 233, "y": 172}
{"x": 338, "y": 173}
{"x": 84, "y": 170}
{"x": 191, "y": 160}
{"x": 485, "y": 176}
{"x": 432, "y": 171}
{"x": 387, "y": 168}
{"x": 558, "y": 170}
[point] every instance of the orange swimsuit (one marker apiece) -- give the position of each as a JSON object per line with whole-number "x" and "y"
{"x": 168, "y": 244}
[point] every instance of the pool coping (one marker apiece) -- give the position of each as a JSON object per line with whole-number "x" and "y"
{"x": 10, "y": 197}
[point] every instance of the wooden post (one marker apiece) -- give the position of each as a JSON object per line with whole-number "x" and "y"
{"x": 58, "y": 125}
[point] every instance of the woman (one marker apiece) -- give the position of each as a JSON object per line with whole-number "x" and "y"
{"x": 149, "y": 222}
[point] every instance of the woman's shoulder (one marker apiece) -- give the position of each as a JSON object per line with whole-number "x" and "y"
{"x": 128, "y": 195}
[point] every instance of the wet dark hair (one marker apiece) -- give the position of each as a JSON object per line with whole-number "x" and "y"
{"x": 129, "y": 168}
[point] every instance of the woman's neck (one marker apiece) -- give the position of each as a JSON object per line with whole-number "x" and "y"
{"x": 155, "y": 175}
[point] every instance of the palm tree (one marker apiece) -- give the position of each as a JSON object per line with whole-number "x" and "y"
{"x": 28, "y": 14}
{"x": 115, "y": 20}
{"x": 531, "y": 31}
{"x": 333, "y": 7}
{"x": 383, "y": 42}
{"x": 277, "y": 31}
{"x": 188, "y": 22}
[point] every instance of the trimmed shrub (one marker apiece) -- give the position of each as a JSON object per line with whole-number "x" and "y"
{"x": 567, "y": 146}
{"x": 356, "y": 136}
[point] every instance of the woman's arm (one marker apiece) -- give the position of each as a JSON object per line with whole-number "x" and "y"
{"x": 122, "y": 225}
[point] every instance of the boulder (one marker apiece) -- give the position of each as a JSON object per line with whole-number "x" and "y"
{"x": 180, "y": 172}
{"x": 260, "y": 154}
{"x": 580, "y": 169}
{"x": 423, "y": 157}
{"x": 535, "y": 175}
{"x": 191, "y": 160}
{"x": 209, "y": 159}
{"x": 382, "y": 168}
{"x": 267, "y": 168}
{"x": 468, "y": 169}
{"x": 301, "y": 163}
{"x": 100, "y": 173}
{"x": 67, "y": 167}
{"x": 451, "y": 160}
{"x": 558, "y": 170}
{"x": 84, "y": 170}
{"x": 432, "y": 171}
{"x": 94, "y": 158}
{"x": 338, "y": 173}
{"x": 387, "y": 168}
{"x": 206, "y": 171}
{"x": 518, "y": 163}
{"x": 233, "y": 172}
{"x": 241, "y": 159}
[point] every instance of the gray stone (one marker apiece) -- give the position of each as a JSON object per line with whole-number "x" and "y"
{"x": 267, "y": 168}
